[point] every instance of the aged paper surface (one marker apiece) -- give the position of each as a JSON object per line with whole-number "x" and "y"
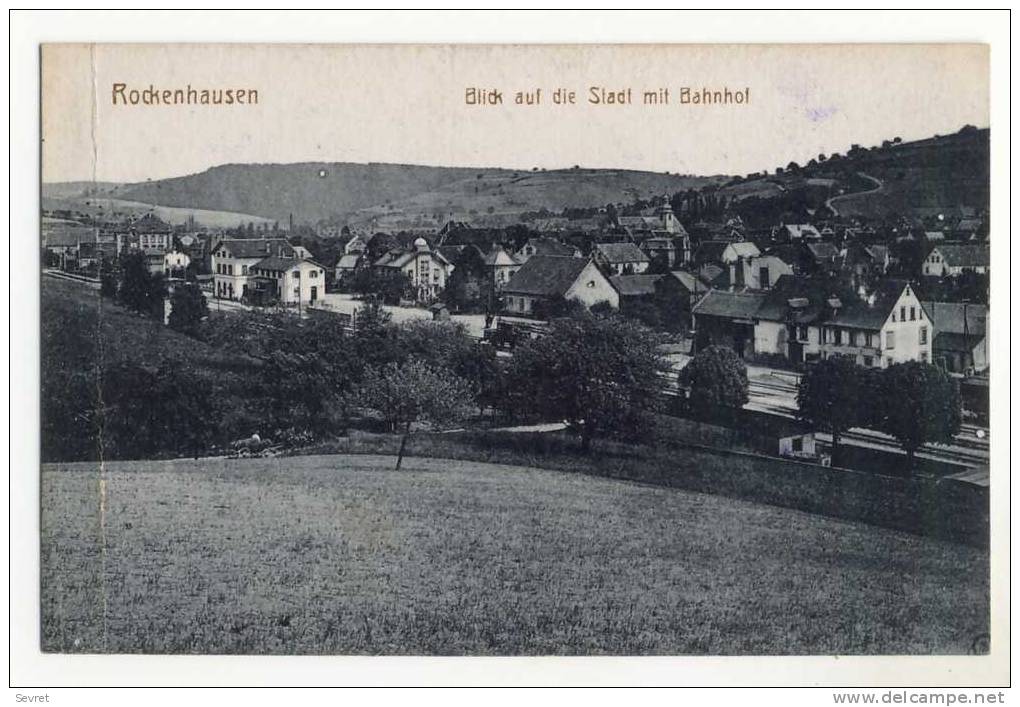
{"x": 273, "y": 273}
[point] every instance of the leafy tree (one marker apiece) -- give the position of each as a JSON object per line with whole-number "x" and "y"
{"x": 412, "y": 392}
{"x": 645, "y": 311}
{"x": 147, "y": 411}
{"x": 188, "y": 307}
{"x": 716, "y": 379}
{"x": 921, "y": 404}
{"x": 829, "y": 396}
{"x": 469, "y": 287}
{"x": 139, "y": 289}
{"x": 109, "y": 280}
{"x": 600, "y": 373}
{"x": 390, "y": 287}
{"x": 372, "y": 316}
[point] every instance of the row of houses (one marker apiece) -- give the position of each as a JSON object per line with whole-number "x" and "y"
{"x": 801, "y": 321}
{"x": 72, "y": 245}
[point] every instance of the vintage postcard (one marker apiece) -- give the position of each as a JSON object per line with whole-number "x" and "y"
{"x": 516, "y": 350}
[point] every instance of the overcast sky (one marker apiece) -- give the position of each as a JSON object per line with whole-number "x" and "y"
{"x": 406, "y": 104}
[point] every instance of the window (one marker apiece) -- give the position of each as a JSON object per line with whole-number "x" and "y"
{"x": 924, "y": 357}
{"x": 869, "y": 361}
{"x": 888, "y": 360}
{"x": 297, "y": 274}
{"x": 244, "y": 269}
{"x": 798, "y": 444}
{"x": 869, "y": 339}
{"x": 837, "y": 335}
{"x": 903, "y": 314}
{"x": 890, "y": 339}
{"x": 913, "y": 314}
{"x": 802, "y": 333}
{"x": 923, "y": 335}
{"x": 313, "y": 274}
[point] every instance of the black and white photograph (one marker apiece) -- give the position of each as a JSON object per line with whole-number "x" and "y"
{"x": 504, "y": 350}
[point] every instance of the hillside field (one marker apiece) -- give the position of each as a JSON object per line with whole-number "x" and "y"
{"x": 341, "y": 555}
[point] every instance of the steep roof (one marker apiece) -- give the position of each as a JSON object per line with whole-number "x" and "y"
{"x": 549, "y": 246}
{"x": 690, "y": 281}
{"x": 635, "y": 285}
{"x": 450, "y": 252}
{"x": 745, "y": 249}
{"x": 255, "y": 247}
{"x": 877, "y": 252}
{"x": 276, "y": 263}
{"x": 734, "y": 305}
{"x": 68, "y": 234}
{"x": 621, "y": 252}
{"x": 864, "y": 316}
{"x": 795, "y": 299}
{"x": 959, "y": 255}
{"x": 546, "y": 275}
{"x": 710, "y": 273}
{"x": 349, "y": 261}
{"x": 957, "y": 317}
{"x": 150, "y": 223}
{"x": 802, "y": 230}
{"x": 823, "y": 250}
{"x": 711, "y": 251}
{"x": 498, "y": 256}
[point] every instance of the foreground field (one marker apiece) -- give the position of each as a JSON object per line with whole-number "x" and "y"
{"x": 337, "y": 554}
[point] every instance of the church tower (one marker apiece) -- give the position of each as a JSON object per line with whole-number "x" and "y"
{"x": 667, "y": 218}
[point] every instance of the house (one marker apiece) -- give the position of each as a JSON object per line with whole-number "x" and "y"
{"x": 759, "y": 273}
{"x": 620, "y": 258}
{"x": 301, "y": 252}
{"x": 966, "y": 228}
{"x": 892, "y": 326}
{"x": 233, "y": 258}
{"x": 286, "y": 280}
{"x": 787, "y": 322}
{"x": 426, "y": 268}
{"x": 662, "y": 248}
{"x": 823, "y": 256}
{"x": 544, "y": 245}
{"x": 147, "y": 233}
{"x": 951, "y": 259}
{"x": 795, "y": 232}
{"x": 175, "y": 262}
{"x": 725, "y": 252}
{"x": 727, "y": 319}
{"x": 961, "y": 344}
{"x": 673, "y": 250}
{"x": 501, "y": 265}
{"x": 356, "y": 244}
{"x": 632, "y": 288}
{"x": 545, "y": 279}
{"x": 348, "y": 264}
{"x": 62, "y": 239}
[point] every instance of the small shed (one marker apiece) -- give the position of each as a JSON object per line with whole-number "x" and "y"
{"x": 440, "y": 312}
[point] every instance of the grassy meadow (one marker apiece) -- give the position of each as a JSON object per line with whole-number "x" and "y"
{"x": 341, "y": 555}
